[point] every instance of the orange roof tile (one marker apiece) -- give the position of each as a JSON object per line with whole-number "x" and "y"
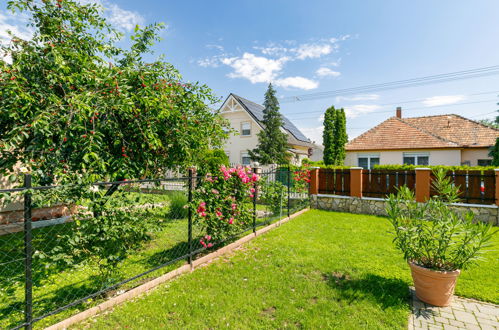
{"x": 442, "y": 131}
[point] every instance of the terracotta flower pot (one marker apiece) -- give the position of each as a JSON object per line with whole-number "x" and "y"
{"x": 434, "y": 287}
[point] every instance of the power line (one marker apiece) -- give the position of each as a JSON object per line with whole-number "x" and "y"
{"x": 413, "y": 82}
{"x": 410, "y": 109}
{"x": 394, "y": 103}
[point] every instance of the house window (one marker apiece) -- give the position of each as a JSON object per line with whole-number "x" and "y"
{"x": 484, "y": 162}
{"x": 368, "y": 161}
{"x": 411, "y": 158}
{"x": 245, "y": 159}
{"x": 246, "y": 128}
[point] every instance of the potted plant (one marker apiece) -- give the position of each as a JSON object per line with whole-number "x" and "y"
{"x": 436, "y": 241}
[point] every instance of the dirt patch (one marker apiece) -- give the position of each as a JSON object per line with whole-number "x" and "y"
{"x": 269, "y": 312}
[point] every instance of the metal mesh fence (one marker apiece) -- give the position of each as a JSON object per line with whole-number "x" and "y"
{"x": 71, "y": 254}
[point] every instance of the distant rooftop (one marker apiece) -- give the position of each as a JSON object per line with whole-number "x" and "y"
{"x": 441, "y": 131}
{"x": 257, "y": 111}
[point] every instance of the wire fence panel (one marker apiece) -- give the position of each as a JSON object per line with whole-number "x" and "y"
{"x": 74, "y": 253}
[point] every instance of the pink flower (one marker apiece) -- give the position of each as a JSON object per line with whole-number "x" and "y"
{"x": 203, "y": 214}
{"x": 254, "y": 177}
{"x": 210, "y": 245}
{"x": 208, "y": 237}
{"x": 203, "y": 204}
{"x": 218, "y": 213}
{"x": 234, "y": 206}
{"x": 251, "y": 195}
{"x": 216, "y": 192}
{"x": 252, "y": 190}
{"x": 231, "y": 221}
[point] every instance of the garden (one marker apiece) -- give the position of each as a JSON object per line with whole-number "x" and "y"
{"x": 322, "y": 269}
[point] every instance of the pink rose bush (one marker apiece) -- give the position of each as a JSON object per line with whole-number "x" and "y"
{"x": 222, "y": 203}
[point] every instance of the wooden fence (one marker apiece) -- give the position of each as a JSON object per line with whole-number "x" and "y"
{"x": 476, "y": 187}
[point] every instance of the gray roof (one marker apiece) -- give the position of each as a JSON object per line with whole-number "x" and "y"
{"x": 256, "y": 110}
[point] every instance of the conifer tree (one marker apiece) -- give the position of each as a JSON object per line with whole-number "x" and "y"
{"x": 272, "y": 142}
{"x": 328, "y": 136}
{"x": 340, "y": 137}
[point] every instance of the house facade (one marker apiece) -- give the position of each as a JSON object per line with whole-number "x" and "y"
{"x": 431, "y": 140}
{"x": 245, "y": 118}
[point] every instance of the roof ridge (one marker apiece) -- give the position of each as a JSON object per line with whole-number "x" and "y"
{"x": 247, "y": 100}
{"x": 429, "y": 133}
{"x": 477, "y": 122}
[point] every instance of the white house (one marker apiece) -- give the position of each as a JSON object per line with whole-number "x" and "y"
{"x": 245, "y": 117}
{"x": 430, "y": 140}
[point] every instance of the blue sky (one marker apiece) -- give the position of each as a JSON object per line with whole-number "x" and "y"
{"x": 316, "y": 46}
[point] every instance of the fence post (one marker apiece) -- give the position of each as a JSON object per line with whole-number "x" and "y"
{"x": 422, "y": 184}
{"x": 189, "y": 230}
{"x": 257, "y": 170}
{"x": 314, "y": 181}
{"x": 28, "y": 251}
{"x": 496, "y": 171}
{"x": 289, "y": 189}
{"x": 356, "y": 182}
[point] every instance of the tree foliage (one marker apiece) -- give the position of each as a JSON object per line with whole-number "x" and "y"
{"x": 272, "y": 142}
{"x": 334, "y": 136}
{"x": 73, "y": 103}
{"x": 494, "y": 153}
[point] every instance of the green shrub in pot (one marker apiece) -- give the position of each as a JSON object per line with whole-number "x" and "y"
{"x": 434, "y": 236}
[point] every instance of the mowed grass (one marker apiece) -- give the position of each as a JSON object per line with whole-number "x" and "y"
{"x": 321, "y": 270}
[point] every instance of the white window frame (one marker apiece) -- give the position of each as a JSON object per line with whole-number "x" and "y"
{"x": 368, "y": 156}
{"x": 242, "y": 128}
{"x": 245, "y": 155}
{"x": 416, "y": 156}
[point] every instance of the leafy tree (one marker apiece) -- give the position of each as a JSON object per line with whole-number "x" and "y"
{"x": 272, "y": 142}
{"x": 328, "y": 136}
{"x": 75, "y": 107}
{"x": 340, "y": 137}
{"x": 489, "y": 122}
{"x": 494, "y": 153}
{"x": 72, "y": 103}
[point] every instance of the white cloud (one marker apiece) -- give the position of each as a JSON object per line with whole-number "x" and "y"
{"x": 312, "y": 51}
{"x": 256, "y": 69}
{"x": 122, "y": 18}
{"x": 297, "y": 82}
{"x": 443, "y": 100}
{"x": 313, "y": 133}
{"x": 353, "y": 111}
{"x": 16, "y": 24}
{"x": 327, "y": 72}
{"x": 360, "y": 97}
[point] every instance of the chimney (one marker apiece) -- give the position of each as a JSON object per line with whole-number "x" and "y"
{"x": 399, "y": 112}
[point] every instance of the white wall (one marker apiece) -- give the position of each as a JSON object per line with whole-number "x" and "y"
{"x": 237, "y": 144}
{"x": 450, "y": 157}
{"x": 473, "y": 155}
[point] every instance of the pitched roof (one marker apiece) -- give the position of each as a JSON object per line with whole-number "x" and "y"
{"x": 256, "y": 110}
{"x": 441, "y": 131}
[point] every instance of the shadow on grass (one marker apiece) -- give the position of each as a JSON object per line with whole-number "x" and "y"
{"x": 387, "y": 292}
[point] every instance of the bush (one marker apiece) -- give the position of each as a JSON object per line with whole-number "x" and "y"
{"x": 274, "y": 194}
{"x": 432, "y": 235}
{"x": 177, "y": 208}
{"x": 221, "y": 203}
{"x": 211, "y": 162}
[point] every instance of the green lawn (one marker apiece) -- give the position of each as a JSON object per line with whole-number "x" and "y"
{"x": 323, "y": 269}
{"x": 54, "y": 288}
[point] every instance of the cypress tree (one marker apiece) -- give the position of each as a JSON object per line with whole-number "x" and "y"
{"x": 328, "y": 136}
{"x": 340, "y": 137}
{"x": 272, "y": 142}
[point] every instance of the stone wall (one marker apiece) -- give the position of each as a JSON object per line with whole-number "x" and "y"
{"x": 376, "y": 206}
